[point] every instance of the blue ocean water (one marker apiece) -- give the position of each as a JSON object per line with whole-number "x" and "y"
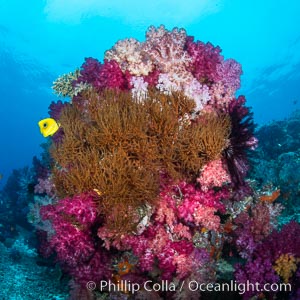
{"x": 40, "y": 40}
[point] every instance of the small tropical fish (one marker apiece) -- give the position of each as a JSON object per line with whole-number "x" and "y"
{"x": 270, "y": 197}
{"x": 1, "y": 176}
{"x": 48, "y": 126}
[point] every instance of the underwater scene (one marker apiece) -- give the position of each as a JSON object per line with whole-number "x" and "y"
{"x": 150, "y": 150}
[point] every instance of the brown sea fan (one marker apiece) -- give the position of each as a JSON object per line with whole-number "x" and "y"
{"x": 117, "y": 146}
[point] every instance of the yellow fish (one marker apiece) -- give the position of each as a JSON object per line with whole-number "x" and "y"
{"x": 48, "y": 126}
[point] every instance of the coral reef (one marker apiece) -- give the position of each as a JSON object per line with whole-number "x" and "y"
{"x": 276, "y": 163}
{"x": 146, "y": 178}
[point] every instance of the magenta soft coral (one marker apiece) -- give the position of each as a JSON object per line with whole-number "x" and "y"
{"x": 286, "y": 241}
{"x": 72, "y": 238}
{"x": 168, "y": 238}
{"x": 71, "y": 220}
{"x": 155, "y": 245}
{"x": 96, "y": 269}
{"x": 258, "y": 271}
{"x": 81, "y": 207}
{"x": 205, "y": 59}
{"x": 56, "y": 108}
{"x": 101, "y": 76}
{"x": 208, "y": 198}
{"x": 89, "y": 72}
{"x": 72, "y": 245}
{"x": 189, "y": 204}
{"x": 111, "y": 76}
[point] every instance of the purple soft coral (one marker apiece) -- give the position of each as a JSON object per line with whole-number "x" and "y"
{"x": 56, "y": 108}
{"x": 258, "y": 271}
{"x": 259, "y": 268}
{"x": 229, "y": 72}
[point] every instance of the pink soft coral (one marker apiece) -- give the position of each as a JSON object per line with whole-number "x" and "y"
{"x": 182, "y": 202}
{"x": 198, "y": 92}
{"x": 129, "y": 54}
{"x": 166, "y": 48}
{"x": 167, "y": 240}
{"x": 140, "y": 88}
{"x": 206, "y": 217}
{"x": 209, "y": 198}
{"x": 213, "y": 174}
{"x": 111, "y": 76}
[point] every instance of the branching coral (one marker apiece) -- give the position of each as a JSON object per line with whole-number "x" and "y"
{"x": 62, "y": 86}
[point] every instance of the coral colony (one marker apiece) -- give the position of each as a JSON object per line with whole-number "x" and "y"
{"x": 145, "y": 182}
